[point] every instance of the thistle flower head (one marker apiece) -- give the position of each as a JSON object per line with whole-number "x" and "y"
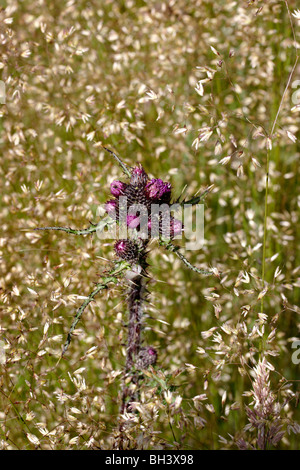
{"x": 144, "y": 192}
{"x": 120, "y": 246}
{"x": 156, "y": 189}
{"x": 146, "y": 357}
{"x": 117, "y": 188}
{"x": 127, "y": 249}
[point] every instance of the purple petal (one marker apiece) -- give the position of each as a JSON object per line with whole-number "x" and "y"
{"x": 133, "y": 221}
{"x": 117, "y": 188}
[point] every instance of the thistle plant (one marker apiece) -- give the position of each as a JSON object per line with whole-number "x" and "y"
{"x": 131, "y": 260}
{"x": 171, "y": 364}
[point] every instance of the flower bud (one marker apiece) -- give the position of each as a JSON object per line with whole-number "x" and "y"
{"x": 146, "y": 357}
{"x": 138, "y": 176}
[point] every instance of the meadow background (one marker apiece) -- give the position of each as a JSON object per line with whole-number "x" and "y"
{"x": 201, "y": 93}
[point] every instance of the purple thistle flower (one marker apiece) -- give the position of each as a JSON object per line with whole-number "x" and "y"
{"x": 117, "y": 188}
{"x": 127, "y": 249}
{"x": 156, "y": 188}
{"x": 152, "y": 351}
{"x": 120, "y": 247}
{"x": 147, "y": 357}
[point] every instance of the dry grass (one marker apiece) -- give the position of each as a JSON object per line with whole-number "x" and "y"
{"x": 200, "y": 93}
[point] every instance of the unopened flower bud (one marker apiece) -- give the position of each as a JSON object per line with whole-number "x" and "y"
{"x": 138, "y": 176}
{"x": 146, "y": 357}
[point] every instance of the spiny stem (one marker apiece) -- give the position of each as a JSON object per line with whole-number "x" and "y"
{"x": 175, "y": 249}
{"x": 135, "y": 299}
{"x": 135, "y": 318}
{"x": 85, "y": 231}
{"x": 93, "y": 227}
{"x": 122, "y": 164}
{"x": 111, "y": 278}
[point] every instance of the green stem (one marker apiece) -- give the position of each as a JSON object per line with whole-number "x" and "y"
{"x": 85, "y": 231}
{"x": 175, "y": 249}
{"x": 93, "y": 227}
{"x": 122, "y": 164}
{"x": 268, "y": 151}
{"x": 111, "y": 278}
{"x": 196, "y": 199}
{"x": 265, "y": 227}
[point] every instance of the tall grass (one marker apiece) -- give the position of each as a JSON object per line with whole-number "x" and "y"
{"x": 129, "y": 75}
